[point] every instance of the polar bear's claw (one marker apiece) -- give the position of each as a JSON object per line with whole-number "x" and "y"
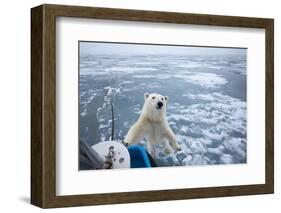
{"x": 177, "y": 147}
{"x": 125, "y": 143}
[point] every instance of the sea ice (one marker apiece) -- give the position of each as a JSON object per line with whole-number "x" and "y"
{"x": 209, "y": 122}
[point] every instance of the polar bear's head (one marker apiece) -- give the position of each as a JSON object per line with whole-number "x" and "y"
{"x": 154, "y": 106}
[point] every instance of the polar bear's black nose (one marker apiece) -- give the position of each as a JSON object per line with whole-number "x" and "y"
{"x": 159, "y": 104}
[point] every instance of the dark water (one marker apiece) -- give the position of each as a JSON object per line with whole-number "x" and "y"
{"x": 206, "y": 108}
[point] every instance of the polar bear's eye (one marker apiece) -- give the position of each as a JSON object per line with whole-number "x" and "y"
{"x": 162, "y": 99}
{"x": 153, "y": 97}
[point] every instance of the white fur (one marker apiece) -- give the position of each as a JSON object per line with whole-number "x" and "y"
{"x": 153, "y": 126}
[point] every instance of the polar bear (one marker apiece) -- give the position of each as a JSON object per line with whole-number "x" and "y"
{"x": 153, "y": 126}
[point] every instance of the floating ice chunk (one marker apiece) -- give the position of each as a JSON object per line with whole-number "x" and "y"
{"x": 127, "y": 82}
{"x": 206, "y": 97}
{"x": 126, "y": 124}
{"x": 187, "y": 161}
{"x": 213, "y": 136}
{"x": 213, "y": 67}
{"x": 181, "y": 155}
{"x": 200, "y": 160}
{"x": 194, "y": 131}
{"x": 184, "y": 129}
{"x": 226, "y": 159}
{"x": 137, "y": 109}
{"x": 237, "y": 147}
{"x": 102, "y": 126}
{"x": 177, "y": 117}
{"x": 87, "y": 97}
{"x": 190, "y": 65}
{"x": 83, "y": 114}
{"x": 217, "y": 151}
{"x": 209, "y": 80}
{"x": 197, "y": 147}
{"x": 128, "y": 70}
{"x": 158, "y": 76}
{"x": 172, "y": 160}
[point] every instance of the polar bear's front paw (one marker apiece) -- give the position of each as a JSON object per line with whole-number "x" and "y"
{"x": 168, "y": 151}
{"x": 125, "y": 143}
{"x": 177, "y": 147}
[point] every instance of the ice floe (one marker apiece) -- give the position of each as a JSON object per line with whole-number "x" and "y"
{"x": 214, "y": 131}
{"x": 210, "y": 124}
{"x": 210, "y": 80}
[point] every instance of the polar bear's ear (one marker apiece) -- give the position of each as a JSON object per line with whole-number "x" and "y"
{"x": 146, "y": 95}
{"x": 166, "y": 98}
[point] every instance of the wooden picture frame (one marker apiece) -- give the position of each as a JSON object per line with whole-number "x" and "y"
{"x": 43, "y": 105}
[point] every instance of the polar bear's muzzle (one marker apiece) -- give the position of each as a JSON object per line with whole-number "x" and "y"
{"x": 159, "y": 105}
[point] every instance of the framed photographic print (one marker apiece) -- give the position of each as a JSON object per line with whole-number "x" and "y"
{"x": 136, "y": 106}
